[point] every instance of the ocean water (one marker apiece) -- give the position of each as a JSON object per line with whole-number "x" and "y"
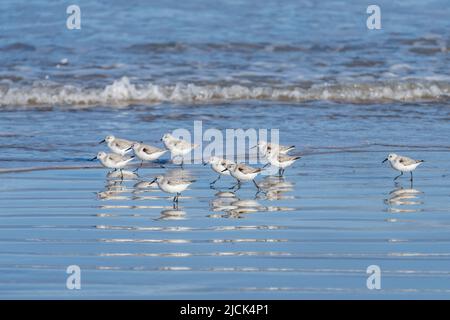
{"x": 346, "y": 96}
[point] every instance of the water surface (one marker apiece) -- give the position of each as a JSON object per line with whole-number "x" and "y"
{"x": 344, "y": 95}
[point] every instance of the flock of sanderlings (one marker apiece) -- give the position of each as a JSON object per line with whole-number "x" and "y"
{"x": 276, "y": 155}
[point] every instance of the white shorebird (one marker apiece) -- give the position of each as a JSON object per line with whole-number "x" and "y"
{"x": 402, "y": 164}
{"x": 113, "y": 160}
{"x": 281, "y": 161}
{"x": 119, "y": 146}
{"x": 177, "y": 147}
{"x": 219, "y": 165}
{"x": 146, "y": 152}
{"x": 172, "y": 185}
{"x": 242, "y": 172}
{"x": 266, "y": 147}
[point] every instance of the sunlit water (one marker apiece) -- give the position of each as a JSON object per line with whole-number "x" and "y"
{"x": 344, "y": 95}
{"x": 311, "y": 234}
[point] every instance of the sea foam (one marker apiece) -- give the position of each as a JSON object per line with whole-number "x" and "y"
{"x": 123, "y": 92}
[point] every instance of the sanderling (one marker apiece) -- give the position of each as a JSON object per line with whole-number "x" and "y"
{"x": 177, "y": 147}
{"x": 242, "y": 172}
{"x": 171, "y": 185}
{"x": 402, "y": 164}
{"x": 219, "y": 165}
{"x": 266, "y": 147}
{"x": 146, "y": 152}
{"x": 119, "y": 146}
{"x": 113, "y": 160}
{"x": 281, "y": 161}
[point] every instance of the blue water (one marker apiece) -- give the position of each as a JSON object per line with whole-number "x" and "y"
{"x": 346, "y": 96}
{"x": 198, "y": 51}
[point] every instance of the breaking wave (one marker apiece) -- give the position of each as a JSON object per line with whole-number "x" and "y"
{"x": 123, "y": 92}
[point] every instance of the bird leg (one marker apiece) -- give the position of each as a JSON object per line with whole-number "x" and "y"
{"x": 398, "y": 176}
{"x": 139, "y": 166}
{"x": 237, "y": 184}
{"x": 256, "y": 185}
{"x": 411, "y": 176}
{"x": 218, "y": 178}
{"x": 175, "y": 199}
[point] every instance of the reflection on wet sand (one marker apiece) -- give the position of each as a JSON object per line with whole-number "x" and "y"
{"x": 114, "y": 185}
{"x": 404, "y": 200}
{"x": 232, "y": 206}
{"x": 116, "y": 189}
{"x": 274, "y": 188}
{"x": 225, "y": 204}
{"x": 172, "y": 214}
{"x": 117, "y": 174}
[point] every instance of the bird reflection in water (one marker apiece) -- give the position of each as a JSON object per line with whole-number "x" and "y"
{"x": 404, "y": 200}
{"x": 275, "y": 188}
{"x": 234, "y": 206}
{"x": 115, "y": 189}
{"x": 172, "y": 214}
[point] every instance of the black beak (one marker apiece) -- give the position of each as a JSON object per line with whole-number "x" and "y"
{"x": 152, "y": 182}
{"x": 385, "y": 160}
{"x": 129, "y": 149}
{"x": 102, "y": 141}
{"x": 94, "y": 158}
{"x": 224, "y": 170}
{"x": 253, "y": 147}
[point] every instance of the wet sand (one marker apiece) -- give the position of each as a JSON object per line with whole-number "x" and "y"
{"x": 311, "y": 234}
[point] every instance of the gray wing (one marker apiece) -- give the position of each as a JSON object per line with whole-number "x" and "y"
{"x": 118, "y": 157}
{"x": 283, "y": 158}
{"x": 285, "y": 148}
{"x": 122, "y": 143}
{"x": 175, "y": 182}
{"x": 150, "y": 149}
{"x": 408, "y": 161}
{"x": 247, "y": 170}
{"x": 182, "y": 144}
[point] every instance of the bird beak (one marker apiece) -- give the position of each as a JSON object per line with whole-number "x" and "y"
{"x": 253, "y": 147}
{"x": 385, "y": 160}
{"x": 129, "y": 149}
{"x": 94, "y": 158}
{"x": 224, "y": 170}
{"x": 153, "y": 181}
{"x": 102, "y": 141}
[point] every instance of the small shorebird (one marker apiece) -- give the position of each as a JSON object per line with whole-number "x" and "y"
{"x": 119, "y": 146}
{"x": 402, "y": 164}
{"x": 146, "y": 152}
{"x": 281, "y": 161}
{"x": 219, "y": 165}
{"x": 177, "y": 147}
{"x": 266, "y": 147}
{"x": 113, "y": 160}
{"x": 172, "y": 185}
{"x": 242, "y": 172}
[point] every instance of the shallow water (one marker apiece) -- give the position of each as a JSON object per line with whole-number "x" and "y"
{"x": 344, "y": 95}
{"x": 312, "y": 234}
